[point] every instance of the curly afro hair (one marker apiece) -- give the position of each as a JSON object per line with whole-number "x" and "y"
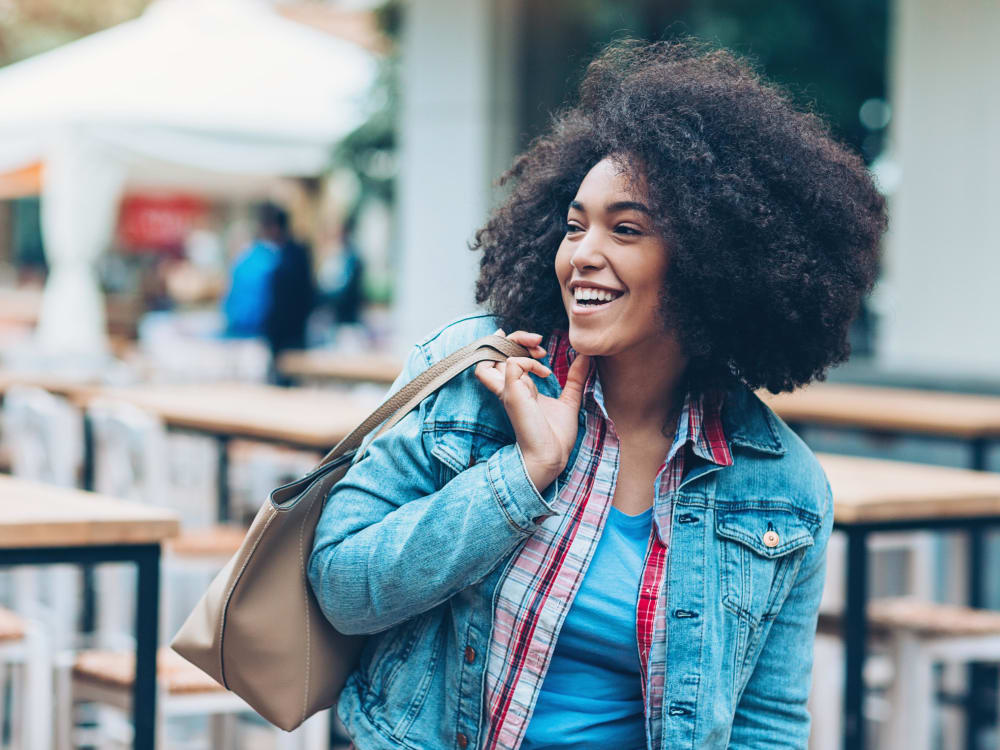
{"x": 773, "y": 227}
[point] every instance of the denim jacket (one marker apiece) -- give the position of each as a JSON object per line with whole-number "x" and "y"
{"x": 414, "y": 540}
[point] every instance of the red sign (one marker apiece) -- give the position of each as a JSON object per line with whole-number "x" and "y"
{"x": 158, "y": 222}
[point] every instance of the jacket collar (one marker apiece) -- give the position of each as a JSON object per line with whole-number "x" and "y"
{"x": 748, "y": 423}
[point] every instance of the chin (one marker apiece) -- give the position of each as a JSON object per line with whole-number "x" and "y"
{"x": 591, "y": 343}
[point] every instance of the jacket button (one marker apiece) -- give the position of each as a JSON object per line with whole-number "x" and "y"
{"x": 462, "y": 740}
{"x": 470, "y": 654}
{"x": 771, "y": 538}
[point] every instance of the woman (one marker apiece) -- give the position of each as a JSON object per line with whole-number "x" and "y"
{"x": 613, "y": 542}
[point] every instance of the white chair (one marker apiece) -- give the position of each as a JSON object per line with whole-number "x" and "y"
{"x": 185, "y": 348}
{"x": 256, "y": 469}
{"x": 106, "y": 678}
{"x": 25, "y": 657}
{"x": 133, "y": 459}
{"x": 908, "y": 636}
{"x": 827, "y": 693}
{"x": 922, "y": 635}
{"x": 43, "y": 435}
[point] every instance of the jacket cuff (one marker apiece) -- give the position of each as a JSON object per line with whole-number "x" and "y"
{"x": 519, "y": 499}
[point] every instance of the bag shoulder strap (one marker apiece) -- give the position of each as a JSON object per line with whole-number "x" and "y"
{"x": 402, "y": 402}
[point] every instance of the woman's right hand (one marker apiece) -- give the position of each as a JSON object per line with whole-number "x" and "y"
{"x": 545, "y": 427}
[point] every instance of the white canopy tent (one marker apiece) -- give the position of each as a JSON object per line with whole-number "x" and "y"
{"x": 193, "y": 87}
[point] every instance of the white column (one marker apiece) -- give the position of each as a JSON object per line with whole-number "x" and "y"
{"x": 454, "y": 133}
{"x": 80, "y": 192}
{"x": 943, "y": 251}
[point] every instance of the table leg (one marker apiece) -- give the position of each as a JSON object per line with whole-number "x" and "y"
{"x": 88, "y": 613}
{"x": 147, "y": 622}
{"x": 855, "y": 636}
{"x": 980, "y": 704}
{"x": 222, "y": 441}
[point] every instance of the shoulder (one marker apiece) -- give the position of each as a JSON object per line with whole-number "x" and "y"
{"x": 463, "y": 403}
{"x": 772, "y": 462}
{"x": 454, "y": 335}
{"x": 802, "y": 472}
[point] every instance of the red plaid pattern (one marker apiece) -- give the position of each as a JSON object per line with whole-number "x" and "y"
{"x": 540, "y": 582}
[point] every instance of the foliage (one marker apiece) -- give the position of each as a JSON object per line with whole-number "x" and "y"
{"x": 370, "y": 150}
{"x": 29, "y": 27}
{"x": 831, "y": 54}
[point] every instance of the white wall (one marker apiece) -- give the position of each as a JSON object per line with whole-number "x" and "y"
{"x": 456, "y": 133}
{"x": 943, "y": 253}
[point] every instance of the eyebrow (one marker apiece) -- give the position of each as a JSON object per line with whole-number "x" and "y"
{"x": 616, "y": 207}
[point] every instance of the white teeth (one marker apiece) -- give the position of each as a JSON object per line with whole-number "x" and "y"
{"x": 590, "y": 293}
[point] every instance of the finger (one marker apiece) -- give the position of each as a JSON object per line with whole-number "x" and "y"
{"x": 530, "y": 341}
{"x": 490, "y": 377}
{"x": 576, "y": 379}
{"x": 518, "y": 382}
{"x": 531, "y": 365}
{"x": 528, "y": 383}
{"x": 512, "y": 372}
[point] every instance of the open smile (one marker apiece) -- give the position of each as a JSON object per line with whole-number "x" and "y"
{"x": 590, "y": 300}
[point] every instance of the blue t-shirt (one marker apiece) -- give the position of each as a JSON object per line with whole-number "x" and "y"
{"x": 592, "y": 693}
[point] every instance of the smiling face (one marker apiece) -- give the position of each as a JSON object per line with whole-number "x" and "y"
{"x": 611, "y": 266}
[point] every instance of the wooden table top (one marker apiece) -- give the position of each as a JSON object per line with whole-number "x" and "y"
{"x": 20, "y": 305}
{"x": 42, "y": 515}
{"x": 869, "y": 490}
{"x": 324, "y": 364}
{"x": 893, "y": 409}
{"x": 299, "y": 416}
{"x": 61, "y": 385}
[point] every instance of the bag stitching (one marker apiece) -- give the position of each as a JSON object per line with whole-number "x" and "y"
{"x": 229, "y": 595}
{"x": 302, "y": 570}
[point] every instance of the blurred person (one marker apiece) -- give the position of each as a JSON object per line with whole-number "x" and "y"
{"x": 293, "y": 292}
{"x": 613, "y": 542}
{"x": 249, "y": 300}
{"x": 272, "y": 290}
{"x": 341, "y": 277}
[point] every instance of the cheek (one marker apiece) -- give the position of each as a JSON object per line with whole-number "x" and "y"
{"x": 562, "y": 267}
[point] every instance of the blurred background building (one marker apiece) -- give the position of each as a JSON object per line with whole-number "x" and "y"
{"x": 461, "y": 88}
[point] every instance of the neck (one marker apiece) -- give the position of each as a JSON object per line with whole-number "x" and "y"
{"x": 642, "y": 388}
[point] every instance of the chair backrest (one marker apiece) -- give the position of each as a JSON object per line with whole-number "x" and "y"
{"x": 130, "y": 452}
{"x": 44, "y": 436}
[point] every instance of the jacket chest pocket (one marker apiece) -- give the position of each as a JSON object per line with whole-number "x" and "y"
{"x": 458, "y": 447}
{"x": 761, "y": 549}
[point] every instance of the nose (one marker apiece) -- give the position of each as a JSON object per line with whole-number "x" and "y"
{"x": 587, "y": 253}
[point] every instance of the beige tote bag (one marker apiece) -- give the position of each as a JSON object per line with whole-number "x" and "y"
{"x": 258, "y": 630}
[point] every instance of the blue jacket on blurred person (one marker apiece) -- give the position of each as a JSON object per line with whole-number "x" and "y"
{"x": 248, "y": 302}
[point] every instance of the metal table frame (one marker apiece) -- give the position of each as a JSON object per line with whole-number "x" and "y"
{"x": 147, "y": 560}
{"x": 982, "y": 679}
{"x": 222, "y": 441}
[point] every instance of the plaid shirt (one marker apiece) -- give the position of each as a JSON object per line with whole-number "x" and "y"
{"x": 541, "y": 581}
